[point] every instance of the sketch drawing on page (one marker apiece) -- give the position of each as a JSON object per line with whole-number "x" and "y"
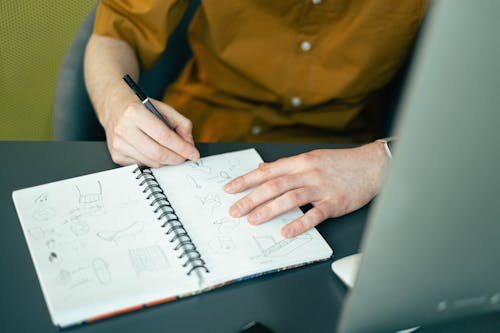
{"x": 98, "y": 271}
{"x": 270, "y": 248}
{"x": 53, "y": 258}
{"x": 226, "y": 225}
{"x": 221, "y": 177}
{"x": 42, "y": 198}
{"x": 210, "y": 200}
{"x": 233, "y": 163}
{"x": 101, "y": 271}
{"x": 129, "y": 232}
{"x": 199, "y": 166}
{"x": 44, "y": 214}
{"x": 90, "y": 197}
{"x": 148, "y": 259}
{"x": 222, "y": 245}
{"x": 78, "y": 225}
{"x": 39, "y": 233}
{"x": 91, "y": 202}
{"x": 43, "y": 211}
{"x": 73, "y": 278}
{"x": 193, "y": 180}
{"x": 65, "y": 246}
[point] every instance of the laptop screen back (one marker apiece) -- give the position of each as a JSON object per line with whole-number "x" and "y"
{"x": 431, "y": 249}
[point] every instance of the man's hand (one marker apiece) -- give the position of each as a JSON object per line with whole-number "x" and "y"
{"x": 135, "y": 135}
{"x": 334, "y": 181}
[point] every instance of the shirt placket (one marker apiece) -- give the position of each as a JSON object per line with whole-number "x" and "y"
{"x": 306, "y": 31}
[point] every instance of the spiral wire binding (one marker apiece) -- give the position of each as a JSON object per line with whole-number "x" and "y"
{"x": 170, "y": 220}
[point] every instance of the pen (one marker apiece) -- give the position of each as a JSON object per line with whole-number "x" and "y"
{"x": 145, "y": 100}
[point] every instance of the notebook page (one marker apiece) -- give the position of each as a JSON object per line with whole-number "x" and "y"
{"x": 231, "y": 247}
{"x": 97, "y": 246}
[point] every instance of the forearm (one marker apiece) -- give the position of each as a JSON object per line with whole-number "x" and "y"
{"x": 133, "y": 134}
{"x": 106, "y": 61}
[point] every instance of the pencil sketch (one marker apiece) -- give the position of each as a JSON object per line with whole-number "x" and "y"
{"x": 63, "y": 278}
{"x": 210, "y": 201}
{"x": 53, "y": 258}
{"x": 50, "y": 244}
{"x": 192, "y": 180}
{"x": 78, "y": 225}
{"x": 226, "y": 225}
{"x": 222, "y": 177}
{"x": 42, "y": 198}
{"x": 123, "y": 234}
{"x": 80, "y": 283}
{"x": 222, "y": 245}
{"x": 65, "y": 245}
{"x": 199, "y": 166}
{"x": 148, "y": 259}
{"x": 101, "y": 271}
{"x": 92, "y": 197}
{"x": 91, "y": 202}
{"x": 233, "y": 163}
{"x": 269, "y": 247}
{"x": 44, "y": 213}
{"x": 73, "y": 278}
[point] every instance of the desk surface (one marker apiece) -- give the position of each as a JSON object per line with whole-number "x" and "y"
{"x": 306, "y": 299}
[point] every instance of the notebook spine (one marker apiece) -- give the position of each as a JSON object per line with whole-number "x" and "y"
{"x": 169, "y": 220}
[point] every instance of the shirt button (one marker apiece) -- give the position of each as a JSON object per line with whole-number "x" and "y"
{"x": 296, "y": 101}
{"x": 316, "y": 2}
{"x": 256, "y": 130}
{"x": 305, "y": 46}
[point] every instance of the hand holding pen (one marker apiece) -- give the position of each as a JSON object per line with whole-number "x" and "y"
{"x": 145, "y": 100}
{"x": 148, "y": 133}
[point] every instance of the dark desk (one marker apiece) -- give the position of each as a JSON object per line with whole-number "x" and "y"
{"x": 306, "y": 299}
{"x": 300, "y": 300}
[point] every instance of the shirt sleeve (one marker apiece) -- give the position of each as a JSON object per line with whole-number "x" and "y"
{"x": 144, "y": 24}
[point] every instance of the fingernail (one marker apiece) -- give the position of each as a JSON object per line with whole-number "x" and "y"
{"x": 288, "y": 232}
{"x": 229, "y": 187}
{"x": 234, "y": 211}
{"x": 254, "y": 218}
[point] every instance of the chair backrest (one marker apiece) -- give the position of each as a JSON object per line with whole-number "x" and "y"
{"x": 74, "y": 116}
{"x": 34, "y": 36}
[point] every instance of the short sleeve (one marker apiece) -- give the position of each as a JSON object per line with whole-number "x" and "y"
{"x": 144, "y": 24}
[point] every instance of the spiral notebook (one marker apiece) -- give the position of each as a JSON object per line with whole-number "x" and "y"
{"x": 119, "y": 240}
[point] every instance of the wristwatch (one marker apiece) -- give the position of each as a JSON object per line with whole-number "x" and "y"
{"x": 388, "y": 142}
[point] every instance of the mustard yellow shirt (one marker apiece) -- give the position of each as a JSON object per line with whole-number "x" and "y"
{"x": 276, "y": 70}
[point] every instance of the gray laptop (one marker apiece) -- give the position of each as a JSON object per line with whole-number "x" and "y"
{"x": 431, "y": 249}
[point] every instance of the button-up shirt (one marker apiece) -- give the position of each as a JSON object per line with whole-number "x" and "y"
{"x": 296, "y": 70}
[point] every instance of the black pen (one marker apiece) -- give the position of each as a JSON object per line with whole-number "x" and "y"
{"x": 145, "y": 100}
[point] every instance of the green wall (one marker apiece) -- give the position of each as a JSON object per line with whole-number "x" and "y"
{"x": 34, "y": 36}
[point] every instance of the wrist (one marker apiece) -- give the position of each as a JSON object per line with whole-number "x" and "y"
{"x": 116, "y": 100}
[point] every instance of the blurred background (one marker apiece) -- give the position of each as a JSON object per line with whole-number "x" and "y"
{"x": 34, "y": 36}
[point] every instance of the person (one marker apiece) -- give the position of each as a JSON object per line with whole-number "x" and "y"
{"x": 294, "y": 71}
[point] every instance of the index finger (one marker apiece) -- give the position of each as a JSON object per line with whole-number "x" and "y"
{"x": 158, "y": 131}
{"x": 182, "y": 125}
{"x": 263, "y": 173}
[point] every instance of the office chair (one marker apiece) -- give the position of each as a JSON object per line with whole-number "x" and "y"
{"x": 74, "y": 116}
